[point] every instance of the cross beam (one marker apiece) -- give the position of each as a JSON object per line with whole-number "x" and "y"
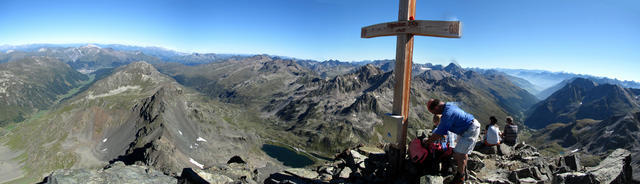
{"x": 405, "y": 28}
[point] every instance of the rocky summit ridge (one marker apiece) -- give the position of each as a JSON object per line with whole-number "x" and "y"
{"x": 504, "y": 165}
{"x": 235, "y": 170}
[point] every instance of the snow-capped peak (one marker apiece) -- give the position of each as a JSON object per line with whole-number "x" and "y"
{"x": 91, "y": 46}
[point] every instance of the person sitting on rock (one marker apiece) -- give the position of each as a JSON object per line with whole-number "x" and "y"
{"x": 492, "y": 137}
{"x": 459, "y": 122}
{"x": 510, "y": 135}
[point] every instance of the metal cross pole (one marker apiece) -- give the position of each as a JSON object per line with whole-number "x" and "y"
{"x": 405, "y": 28}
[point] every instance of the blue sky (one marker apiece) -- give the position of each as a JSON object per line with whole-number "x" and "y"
{"x": 580, "y": 36}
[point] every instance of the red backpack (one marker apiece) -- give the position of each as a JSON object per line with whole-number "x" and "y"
{"x": 417, "y": 153}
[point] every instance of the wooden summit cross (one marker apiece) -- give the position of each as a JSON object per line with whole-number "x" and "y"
{"x": 405, "y": 28}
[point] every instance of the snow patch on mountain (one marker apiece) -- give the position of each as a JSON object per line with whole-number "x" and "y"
{"x": 194, "y": 162}
{"x": 112, "y": 92}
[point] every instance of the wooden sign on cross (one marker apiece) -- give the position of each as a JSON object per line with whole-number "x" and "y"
{"x": 405, "y": 28}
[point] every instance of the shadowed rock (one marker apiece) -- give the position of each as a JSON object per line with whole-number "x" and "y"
{"x": 236, "y": 159}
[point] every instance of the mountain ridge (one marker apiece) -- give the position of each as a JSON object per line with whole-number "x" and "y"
{"x": 580, "y": 99}
{"x": 157, "y": 123}
{"x": 32, "y": 84}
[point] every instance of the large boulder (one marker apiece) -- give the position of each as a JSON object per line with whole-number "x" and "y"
{"x": 235, "y": 171}
{"x": 616, "y": 168}
{"x": 497, "y": 181}
{"x": 574, "y": 178}
{"x": 345, "y": 173}
{"x": 475, "y": 164}
{"x": 569, "y": 163}
{"x": 302, "y": 173}
{"x": 193, "y": 176}
{"x": 504, "y": 149}
{"x": 117, "y": 172}
{"x": 429, "y": 179}
{"x": 373, "y": 152}
{"x": 525, "y": 152}
{"x": 527, "y": 181}
{"x": 531, "y": 172}
{"x": 478, "y": 155}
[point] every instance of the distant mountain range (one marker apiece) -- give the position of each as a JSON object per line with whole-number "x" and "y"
{"x": 92, "y": 57}
{"x": 581, "y": 99}
{"x": 543, "y": 83}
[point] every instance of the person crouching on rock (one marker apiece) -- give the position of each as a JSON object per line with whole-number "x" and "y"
{"x": 443, "y": 150}
{"x": 459, "y": 122}
{"x": 492, "y": 136}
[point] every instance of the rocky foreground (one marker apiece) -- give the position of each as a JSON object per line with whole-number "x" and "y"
{"x": 519, "y": 164}
{"x": 503, "y": 165}
{"x": 235, "y": 170}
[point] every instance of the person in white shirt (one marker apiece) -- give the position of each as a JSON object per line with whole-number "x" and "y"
{"x": 492, "y": 136}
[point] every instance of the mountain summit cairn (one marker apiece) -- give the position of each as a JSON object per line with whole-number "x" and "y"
{"x": 404, "y": 29}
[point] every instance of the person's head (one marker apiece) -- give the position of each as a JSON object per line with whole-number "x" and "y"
{"x": 493, "y": 120}
{"x": 509, "y": 120}
{"x": 435, "y": 106}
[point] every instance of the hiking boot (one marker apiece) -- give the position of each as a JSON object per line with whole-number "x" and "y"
{"x": 458, "y": 179}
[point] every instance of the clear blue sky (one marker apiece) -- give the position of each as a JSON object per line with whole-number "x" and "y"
{"x": 580, "y": 36}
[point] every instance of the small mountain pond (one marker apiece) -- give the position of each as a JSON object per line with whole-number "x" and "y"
{"x": 287, "y": 156}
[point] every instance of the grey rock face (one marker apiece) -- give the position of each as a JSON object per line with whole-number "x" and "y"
{"x": 570, "y": 162}
{"x": 497, "y": 181}
{"x": 574, "y": 178}
{"x": 428, "y": 179}
{"x": 475, "y": 164}
{"x": 532, "y": 172}
{"x": 616, "y": 168}
{"x": 232, "y": 172}
{"x": 504, "y": 149}
{"x": 114, "y": 173}
{"x": 345, "y": 173}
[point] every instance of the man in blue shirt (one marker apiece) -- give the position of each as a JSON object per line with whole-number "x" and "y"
{"x": 459, "y": 122}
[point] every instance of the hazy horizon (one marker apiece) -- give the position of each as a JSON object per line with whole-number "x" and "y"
{"x": 586, "y": 37}
{"x": 417, "y": 62}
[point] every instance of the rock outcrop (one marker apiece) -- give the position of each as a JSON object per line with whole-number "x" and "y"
{"x": 614, "y": 169}
{"x": 523, "y": 165}
{"x": 117, "y": 172}
{"x": 232, "y": 172}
